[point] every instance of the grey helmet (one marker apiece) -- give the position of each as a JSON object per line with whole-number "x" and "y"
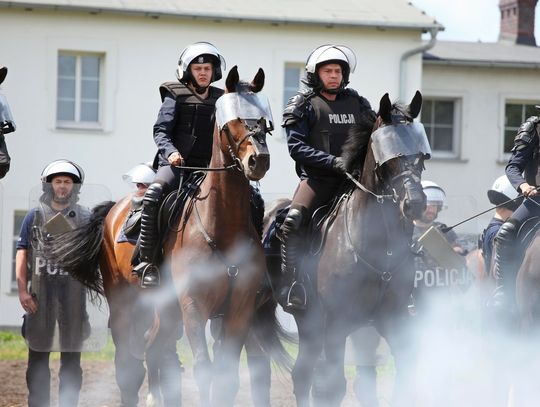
{"x": 435, "y": 195}
{"x": 200, "y": 52}
{"x": 326, "y": 54}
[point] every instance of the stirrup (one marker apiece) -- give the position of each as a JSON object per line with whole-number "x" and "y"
{"x": 149, "y": 276}
{"x": 301, "y": 305}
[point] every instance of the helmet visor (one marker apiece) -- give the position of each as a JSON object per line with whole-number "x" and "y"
{"x": 248, "y": 105}
{"x": 331, "y": 53}
{"x": 399, "y": 140}
{"x": 200, "y": 48}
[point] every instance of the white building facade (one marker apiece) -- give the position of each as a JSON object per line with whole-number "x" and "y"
{"x": 84, "y": 75}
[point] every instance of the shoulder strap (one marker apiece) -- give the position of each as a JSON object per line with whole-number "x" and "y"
{"x": 175, "y": 88}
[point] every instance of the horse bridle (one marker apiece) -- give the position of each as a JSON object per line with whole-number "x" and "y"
{"x": 256, "y": 133}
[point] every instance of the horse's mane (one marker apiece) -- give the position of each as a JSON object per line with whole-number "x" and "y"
{"x": 355, "y": 148}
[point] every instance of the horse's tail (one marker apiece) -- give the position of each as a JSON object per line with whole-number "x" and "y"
{"x": 77, "y": 251}
{"x": 271, "y": 335}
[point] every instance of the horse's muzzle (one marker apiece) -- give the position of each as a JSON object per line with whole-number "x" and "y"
{"x": 413, "y": 204}
{"x": 257, "y": 166}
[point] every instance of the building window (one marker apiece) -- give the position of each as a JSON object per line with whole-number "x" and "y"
{"x": 78, "y": 90}
{"x": 291, "y": 85}
{"x": 514, "y": 114}
{"x": 439, "y": 117}
{"x": 18, "y": 218}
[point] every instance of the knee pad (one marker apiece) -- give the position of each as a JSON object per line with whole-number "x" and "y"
{"x": 153, "y": 193}
{"x": 508, "y": 231}
{"x": 293, "y": 221}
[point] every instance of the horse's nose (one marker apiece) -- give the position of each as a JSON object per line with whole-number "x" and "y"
{"x": 259, "y": 162}
{"x": 413, "y": 208}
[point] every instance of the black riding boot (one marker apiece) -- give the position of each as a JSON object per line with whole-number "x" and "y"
{"x": 504, "y": 267}
{"x": 147, "y": 269}
{"x": 256, "y": 204}
{"x": 293, "y": 295}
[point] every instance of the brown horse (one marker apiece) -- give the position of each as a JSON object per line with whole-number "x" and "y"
{"x": 217, "y": 259}
{"x": 217, "y": 265}
{"x": 365, "y": 271}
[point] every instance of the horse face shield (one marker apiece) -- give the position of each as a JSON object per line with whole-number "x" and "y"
{"x": 247, "y": 146}
{"x": 402, "y": 149}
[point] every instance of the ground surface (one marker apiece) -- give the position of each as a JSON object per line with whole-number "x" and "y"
{"x": 99, "y": 387}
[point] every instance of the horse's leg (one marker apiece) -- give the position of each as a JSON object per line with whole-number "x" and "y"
{"x": 152, "y": 366}
{"x": 195, "y": 325}
{"x": 330, "y": 384}
{"x": 130, "y": 371}
{"x": 310, "y": 328}
{"x": 398, "y": 332}
{"x": 259, "y": 370}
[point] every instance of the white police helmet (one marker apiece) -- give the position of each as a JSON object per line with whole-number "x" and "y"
{"x": 327, "y": 53}
{"x": 200, "y": 52}
{"x": 502, "y": 191}
{"x": 140, "y": 174}
{"x": 435, "y": 195}
{"x": 63, "y": 167}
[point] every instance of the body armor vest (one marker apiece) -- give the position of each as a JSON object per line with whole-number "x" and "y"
{"x": 334, "y": 120}
{"x": 193, "y": 132}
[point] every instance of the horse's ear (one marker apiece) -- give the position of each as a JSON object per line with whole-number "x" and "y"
{"x": 385, "y": 109}
{"x": 257, "y": 83}
{"x": 232, "y": 79}
{"x": 416, "y": 105}
{"x": 3, "y": 73}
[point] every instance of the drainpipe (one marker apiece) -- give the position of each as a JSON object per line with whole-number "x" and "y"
{"x": 410, "y": 53}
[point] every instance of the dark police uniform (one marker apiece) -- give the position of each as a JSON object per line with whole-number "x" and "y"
{"x": 487, "y": 241}
{"x": 316, "y": 130}
{"x": 60, "y": 299}
{"x": 525, "y": 160}
{"x": 185, "y": 124}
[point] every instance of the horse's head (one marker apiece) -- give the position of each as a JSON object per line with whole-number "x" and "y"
{"x": 7, "y": 125}
{"x": 244, "y": 118}
{"x": 400, "y": 147}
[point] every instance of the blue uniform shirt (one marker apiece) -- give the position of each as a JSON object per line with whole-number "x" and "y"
{"x": 163, "y": 128}
{"x": 488, "y": 238}
{"x": 26, "y": 230}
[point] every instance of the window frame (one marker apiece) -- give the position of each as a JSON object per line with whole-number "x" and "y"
{"x": 456, "y": 125}
{"x": 505, "y": 156}
{"x": 77, "y": 123}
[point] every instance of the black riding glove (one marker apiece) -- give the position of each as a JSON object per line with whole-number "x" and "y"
{"x": 339, "y": 166}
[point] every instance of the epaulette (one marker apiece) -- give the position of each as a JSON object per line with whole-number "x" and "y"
{"x": 296, "y": 108}
{"x": 526, "y": 133}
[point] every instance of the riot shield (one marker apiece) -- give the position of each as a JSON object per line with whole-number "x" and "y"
{"x": 66, "y": 319}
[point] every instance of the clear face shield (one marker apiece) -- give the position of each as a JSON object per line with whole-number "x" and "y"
{"x": 250, "y": 107}
{"x": 197, "y": 49}
{"x": 66, "y": 320}
{"x": 399, "y": 140}
{"x": 7, "y": 124}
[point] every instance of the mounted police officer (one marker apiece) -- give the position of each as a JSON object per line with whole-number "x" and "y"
{"x": 183, "y": 134}
{"x": 523, "y": 172}
{"x": 317, "y": 123}
{"x": 48, "y": 294}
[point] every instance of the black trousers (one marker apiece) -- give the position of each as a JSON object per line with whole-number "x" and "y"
{"x": 38, "y": 379}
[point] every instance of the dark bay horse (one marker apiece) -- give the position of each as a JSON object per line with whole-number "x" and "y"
{"x": 198, "y": 250}
{"x": 365, "y": 271}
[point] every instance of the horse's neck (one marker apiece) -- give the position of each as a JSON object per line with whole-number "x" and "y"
{"x": 368, "y": 177}
{"x": 225, "y": 197}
